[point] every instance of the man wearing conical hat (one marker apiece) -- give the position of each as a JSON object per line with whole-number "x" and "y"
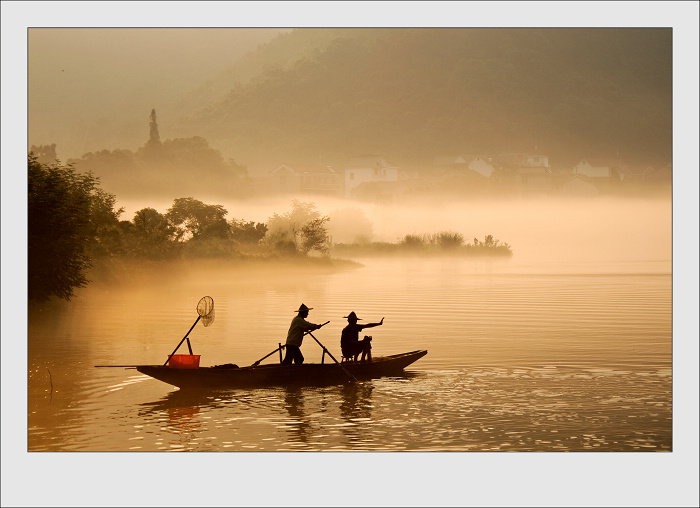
{"x": 350, "y": 342}
{"x": 295, "y": 336}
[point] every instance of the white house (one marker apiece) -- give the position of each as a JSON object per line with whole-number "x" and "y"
{"x": 535, "y": 161}
{"x": 480, "y": 165}
{"x": 368, "y": 169}
{"x": 599, "y": 168}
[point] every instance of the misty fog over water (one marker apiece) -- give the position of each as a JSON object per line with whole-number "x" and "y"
{"x": 562, "y": 230}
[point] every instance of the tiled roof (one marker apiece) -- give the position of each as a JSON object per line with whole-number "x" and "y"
{"x": 598, "y": 162}
{"x": 326, "y": 170}
{"x": 368, "y": 161}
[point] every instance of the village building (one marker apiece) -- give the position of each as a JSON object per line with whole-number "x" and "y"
{"x": 634, "y": 173}
{"x": 447, "y": 166}
{"x": 663, "y": 175}
{"x": 363, "y": 173}
{"x": 606, "y": 174}
{"x": 527, "y": 173}
{"x": 660, "y": 179}
{"x": 481, "y": 166}
{"x": 305, "y": 180}
{"x": 578, "y": 186}
{"x": 461, "y": 174}
{"x": 514, "y": 161}
{"x": 600, "y": 168}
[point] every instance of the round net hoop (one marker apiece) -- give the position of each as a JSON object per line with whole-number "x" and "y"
{"x": 205, "y": 306}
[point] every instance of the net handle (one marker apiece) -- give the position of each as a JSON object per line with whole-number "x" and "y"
{"x": 205, "y": 309}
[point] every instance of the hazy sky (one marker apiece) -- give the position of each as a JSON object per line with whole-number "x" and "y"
{"x": 82, "y": 78}
{"x": 89, "y": 85}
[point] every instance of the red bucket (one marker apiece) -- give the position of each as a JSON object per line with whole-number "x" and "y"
{"x": 184, "y": 361}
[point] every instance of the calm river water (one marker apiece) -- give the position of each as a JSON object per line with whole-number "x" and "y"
{"x": 519, "y": 359}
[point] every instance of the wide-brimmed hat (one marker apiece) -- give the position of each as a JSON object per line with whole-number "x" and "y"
{"x": 303, "y": 307}
{"x": 352, "y": 315}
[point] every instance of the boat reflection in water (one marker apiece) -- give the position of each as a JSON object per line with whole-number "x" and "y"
{"x": 298, "y": 423}
{"x": 183, "y": 419}
{"x": 292, "y": 418}
{"x": 182, "y": 410}
{"x": 356, "y": 409}
{"x": 356, "y": 402}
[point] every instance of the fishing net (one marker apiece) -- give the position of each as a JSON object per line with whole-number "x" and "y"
{"x": 208, "y": 319}
{"x": 205, "y": 308}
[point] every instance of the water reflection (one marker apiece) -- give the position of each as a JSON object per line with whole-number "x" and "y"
{"x": 356, "y": 411}
{"x": 182, "y": 418}
{"x": 178, "y": 399}
{"x": 298, "y": 423}
{"x": 180, "y": 411}
{"x": 356, "y": 401}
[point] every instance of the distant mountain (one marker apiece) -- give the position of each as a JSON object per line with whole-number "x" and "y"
{"x": 323, "y": 95}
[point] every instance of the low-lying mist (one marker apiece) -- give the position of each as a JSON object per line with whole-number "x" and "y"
{"x": 603, "y": 229}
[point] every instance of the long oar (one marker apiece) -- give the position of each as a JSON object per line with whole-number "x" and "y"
{"x": 124, "y": 366}
{"x": 333, "y": 357}
{"x": 255, "y": 364}
{"x": 205, "y": 309}
{"x": 319, "y": 326}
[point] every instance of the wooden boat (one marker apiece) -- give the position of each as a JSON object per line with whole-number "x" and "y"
{"x": 314, "y": 374}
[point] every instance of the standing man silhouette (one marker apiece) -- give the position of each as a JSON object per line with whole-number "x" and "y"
{"x": 295, "y": 336}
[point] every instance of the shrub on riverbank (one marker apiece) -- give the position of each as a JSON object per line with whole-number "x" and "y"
{"x": 439, "y": 243}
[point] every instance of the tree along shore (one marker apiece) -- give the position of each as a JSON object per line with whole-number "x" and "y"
{"x": 74, "y": 229}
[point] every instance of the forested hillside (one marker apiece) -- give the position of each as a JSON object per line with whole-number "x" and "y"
{"x": 324, "y": 95}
